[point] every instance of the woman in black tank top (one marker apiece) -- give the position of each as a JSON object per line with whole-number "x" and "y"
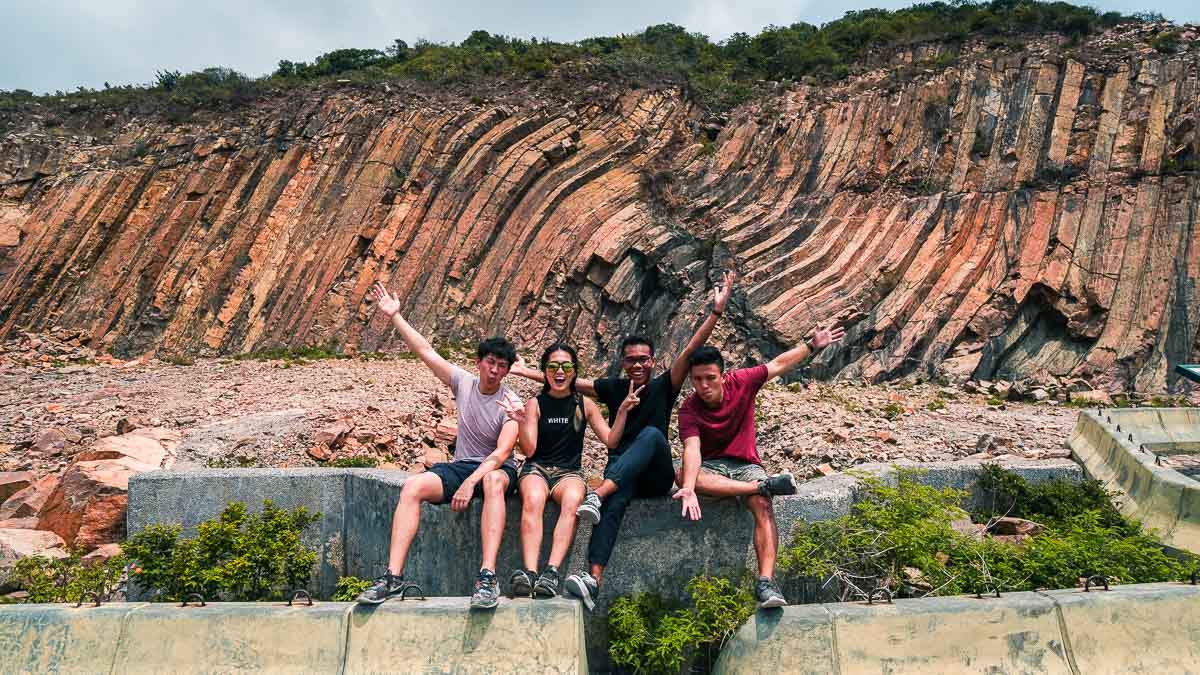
{"x": 552, "y": 426}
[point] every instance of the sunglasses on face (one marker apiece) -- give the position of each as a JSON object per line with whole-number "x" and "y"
{"x": 565, "y": 366}
{"x": 637, "y": 360}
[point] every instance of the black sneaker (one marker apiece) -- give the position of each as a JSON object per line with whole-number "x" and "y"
{"x": 768, "y": 594}
{"x": 589, "y": 510}
{"x": 487, "y": 591}
{"x": 547, "y": 583}
{"x": 584, "y": 587}
{"x": 384, "y": 587}
{"x": 521, "y": 584}
{"x": 779, "y": 484}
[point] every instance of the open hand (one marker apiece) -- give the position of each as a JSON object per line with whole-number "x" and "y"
{"x": 691, "y": 505}
{"x": 515, "y": 412}
{"x": 631, "y": 399}
{"x": 387, "y": 303}
{"x": 721, "y": 294}
{"x": 824, "y": 336}
{"x": 462, "y": 497}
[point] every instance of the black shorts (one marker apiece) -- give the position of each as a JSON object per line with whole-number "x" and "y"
{"x": 454, "y": 473}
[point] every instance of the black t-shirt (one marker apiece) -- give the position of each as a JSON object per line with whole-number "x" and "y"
{"x": 657, "y": 400}
{"x": 560, "y": 432}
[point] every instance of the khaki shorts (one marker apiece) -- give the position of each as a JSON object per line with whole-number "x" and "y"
{"x": 735, "y": 469}
{"x": 553, "y": 475}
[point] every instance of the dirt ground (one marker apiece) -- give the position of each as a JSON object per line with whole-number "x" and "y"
{"x": 392, "y": 410}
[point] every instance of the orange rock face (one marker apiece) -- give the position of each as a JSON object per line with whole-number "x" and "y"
{"x": 1007, "y": 217}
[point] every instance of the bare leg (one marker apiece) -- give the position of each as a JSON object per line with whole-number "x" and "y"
{"x": 569, "y": 495}
{"x": 716, "y": 485}
{"x": 766, "y": 536}
{"x": 533, "y": 504}
{"x": 597, "y": 572}
{"x": 605, "y": 489}
{"x": 425, "y": 487}
{"x": 492, "y": 527}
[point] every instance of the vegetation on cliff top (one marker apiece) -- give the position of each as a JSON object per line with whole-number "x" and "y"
{"x": 716, "y": 74}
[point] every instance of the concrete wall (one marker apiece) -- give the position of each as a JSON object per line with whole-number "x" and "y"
{"x": 657, "y": 550}
{"x": 1145, "y": 628}
{"x": 1119, "y": 447}
{"x": 438, "y": 635}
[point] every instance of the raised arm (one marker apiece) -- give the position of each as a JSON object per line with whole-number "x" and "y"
{"x": 582, "y": 385}
{"x": 679, "y": 368}
{"x": 822, "y": 337}
{"x": 390, "y": 306}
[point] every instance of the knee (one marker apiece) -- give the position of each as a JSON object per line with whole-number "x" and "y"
{"x": 414, "y": 490}
{"x": 495, "y": 482}
{"x": 760, "y": 506}
{"x": 571, "y": 500}
{"x": 533, "y": 501}
{"x": 652, "y": 436}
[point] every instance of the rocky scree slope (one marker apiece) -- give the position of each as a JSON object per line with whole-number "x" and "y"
{"x": 1026, "y": 214}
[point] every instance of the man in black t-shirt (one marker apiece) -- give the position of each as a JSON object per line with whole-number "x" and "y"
{"x": 640, "y": 465}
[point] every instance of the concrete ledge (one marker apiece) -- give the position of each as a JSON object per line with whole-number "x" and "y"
{"x": 438, "y": 635}
{"x": 657, "y": 550}
{"x": 1145, "y": 628}
{"x": 1118, "y": 447}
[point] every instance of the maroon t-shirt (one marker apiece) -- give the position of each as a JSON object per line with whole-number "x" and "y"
{"x": 728, "y": 431}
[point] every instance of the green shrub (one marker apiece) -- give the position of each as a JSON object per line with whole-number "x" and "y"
{"x": 936, "y": 404}
{"x": 649, "y": 635}
{"x": 354, "y": 463}
{"x": 892, "y": 411}
{"x": 67, "y": 579}
{"x": 348, "y": 588}
{"x": 235, "y": 556}
{"x": 901, "y": 537}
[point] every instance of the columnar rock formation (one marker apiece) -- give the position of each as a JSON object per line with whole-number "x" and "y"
{"x": 1009, "y": 216}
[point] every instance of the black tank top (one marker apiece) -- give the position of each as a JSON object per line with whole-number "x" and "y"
{"x": 560, "y": 432}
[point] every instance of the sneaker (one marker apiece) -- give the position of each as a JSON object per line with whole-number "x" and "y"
{"x": 487, "y": 591}
{"x": 547, "y": 583}
{"x": 384, "y": 587}
{"x": 779, "y": 484}
{"x": 768, "y": 594}
{"x": 584, "y": 587}
{"x": 521, "y": 584}
{"x": 589, "y": 510}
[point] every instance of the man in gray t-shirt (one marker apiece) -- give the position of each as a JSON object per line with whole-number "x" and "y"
{"x": 483, "y": 462}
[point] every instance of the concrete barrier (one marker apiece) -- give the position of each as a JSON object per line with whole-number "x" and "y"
{"x": 438, "y": 635}
{"x": 60, "y": 638}
{"x": 1119, "y": 447}
{"x": 657, "y": 550}
{"x": 1144, "y": 628}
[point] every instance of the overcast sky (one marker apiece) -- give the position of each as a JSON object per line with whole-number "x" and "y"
{"x": 55, "y": 44}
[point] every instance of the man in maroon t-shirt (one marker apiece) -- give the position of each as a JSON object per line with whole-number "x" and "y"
{"x": 720, "y": 456}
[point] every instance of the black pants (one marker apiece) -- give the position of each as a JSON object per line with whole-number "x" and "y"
{"x": 644, "y": 469}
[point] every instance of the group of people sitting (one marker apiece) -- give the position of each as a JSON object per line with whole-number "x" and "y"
{"x": 716, "y": 426}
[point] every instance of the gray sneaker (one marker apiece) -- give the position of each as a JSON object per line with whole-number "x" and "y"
{"x": 589, "y": 510}
{"x": 521, "y": 584}
{"x": 768, "y": 594}
{"x": 547, "y": 583}
{"x": 584, "y": 587}
{"x": 779, "y": 484}
{"x": 384, "y": 587}
{"x": 487, "y": 591}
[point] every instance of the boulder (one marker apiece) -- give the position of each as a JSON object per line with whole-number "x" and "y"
{"x": 102, "y": 553}
{"x": 335, "y": 434}
{"x": 12, "y": 482}
{"x": 320, "y": 453}
{"x": 151, "y": 446}
{"x": 52, "y": 441}
{"x": 87, "y": 508}
{"x": 28, "y": 502}
{"x": 16, "y": 544}
{"x": 1009, "y": 526}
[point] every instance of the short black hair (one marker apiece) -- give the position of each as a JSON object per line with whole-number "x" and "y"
{"x": 706, "y": 355}
{"x": 636, "y": 340}
{"x": 497, "y": 347}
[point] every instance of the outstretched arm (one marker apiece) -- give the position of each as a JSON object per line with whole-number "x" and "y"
{"x": 679, "y": 369}
{"x": 582, "y": 385}
{"x": 822, "y": 337}
{"x": 390, "y": 306}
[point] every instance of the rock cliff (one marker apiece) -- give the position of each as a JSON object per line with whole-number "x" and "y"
{"x": 1013, "y": 214}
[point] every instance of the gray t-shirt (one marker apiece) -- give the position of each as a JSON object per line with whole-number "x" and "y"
{"x": 480, "y": 417}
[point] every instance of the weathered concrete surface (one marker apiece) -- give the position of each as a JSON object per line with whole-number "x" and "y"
{"x": 443, "y": 635}
{"x": 1008, "y": 216}
{"x": 1146, "y": 628}
{"x": 1119, "y": 447}
{"x": 657, "y": 550}
{"x": 60, "y": 638}
{"x": 234, "y": 638}
{"x": 437, "y": 635}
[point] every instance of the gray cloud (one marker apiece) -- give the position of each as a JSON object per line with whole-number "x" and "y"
{"x": 58, "y": 44}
